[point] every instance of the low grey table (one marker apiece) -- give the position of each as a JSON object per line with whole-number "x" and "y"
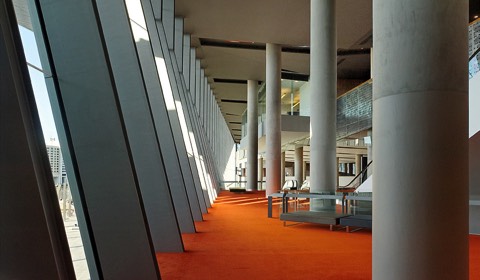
{"x": 325, "y": 218}
{"x": 360, "y": 221}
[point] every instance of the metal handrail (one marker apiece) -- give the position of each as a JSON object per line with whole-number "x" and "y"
{"x": 361, "y": 175}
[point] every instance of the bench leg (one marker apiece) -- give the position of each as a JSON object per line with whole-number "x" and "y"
{"x": 270, "y": 202}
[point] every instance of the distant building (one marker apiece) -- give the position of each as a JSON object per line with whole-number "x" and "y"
{"x": 56, "y": 163}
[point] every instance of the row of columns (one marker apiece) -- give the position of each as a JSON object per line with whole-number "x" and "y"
{"x": 412, "y": 90}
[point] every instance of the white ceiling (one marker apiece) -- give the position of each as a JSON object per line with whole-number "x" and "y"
{"x": 285, "y": 22}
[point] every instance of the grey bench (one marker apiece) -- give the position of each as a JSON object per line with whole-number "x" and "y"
{"x": 325, "y": 218}
{"x": 360, "y": 221}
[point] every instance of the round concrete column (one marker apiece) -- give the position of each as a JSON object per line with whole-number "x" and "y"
{"x": 370, "y": 147}
{"x": 299, "y": 165}
{"x": 282, "y": 169}
{"x": 260, "y": 173}
{"x": 273, "y": 129}
{"x": 252, "y": 135}
{"x": 323, "y": 88}
{"x": 420, "y": 121}
{"x": 304, "y": 170}
{"x": 358, "y": 164}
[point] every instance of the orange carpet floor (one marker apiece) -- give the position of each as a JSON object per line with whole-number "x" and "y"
{"x": 236, "y": 240}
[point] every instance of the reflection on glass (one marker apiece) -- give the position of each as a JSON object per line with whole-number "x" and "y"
{"x": 289, "y": 98}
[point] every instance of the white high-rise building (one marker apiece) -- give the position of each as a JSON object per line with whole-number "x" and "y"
{"x": 56, "y": 162}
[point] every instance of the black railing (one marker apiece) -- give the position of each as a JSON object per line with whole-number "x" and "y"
{"x": 357, "y": 180}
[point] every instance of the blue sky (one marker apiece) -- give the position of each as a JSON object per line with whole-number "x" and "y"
{"x": 38, "y": 83}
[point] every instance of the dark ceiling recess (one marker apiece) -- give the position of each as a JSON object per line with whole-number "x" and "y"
{"x": 344, "y": 52}
{"x": 474, "y": 10}
{"x": 232, "y": 44}
{"x": 234, "y": 101}
{"x": 235, "y": 122}
{"x": 262, "y": 47}
{"x": 291, "y": 75}
{"x": 294, "y": 49}
{"x": 230, "y": 114}
{"x": 230, "y": 81}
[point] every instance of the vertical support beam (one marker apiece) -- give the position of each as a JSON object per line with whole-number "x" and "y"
{"x": 260, "y": 173}
{"x": 323, "y": 82}
{"x": 338, "y": 170}
{"x": 414, "y": 89}
{"x": 191, "y": 143}
{"x": 167, "y": 16}
{"x": 158, "y": 40}
{"x": 29, "y": 212}
{"x": 252, "y": 135}
{"x": 304, "y": 170}
{"x": 193, "y": 74}
{"x": 185, "y": 201}
{"x": 186, "y": 68}
{"x": 178, "y": 46}
{"x": 299, "y": 165}
{"x": 198, "y": 87}
{"x": 370, "y": 147}
{"x": 141, "y": 133}
{"x": 282, "y": 168}
{"x": 273, "y": 130}
{"x": 92, "y": 121}
{"x": 358, "y": 164}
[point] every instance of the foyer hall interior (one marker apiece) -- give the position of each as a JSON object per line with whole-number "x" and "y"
{"x": 149, "y": 100}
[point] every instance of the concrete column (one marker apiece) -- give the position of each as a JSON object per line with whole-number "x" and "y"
{"x": 299, "y": 165}
{"x": 304, "y": 168}
{"x": 260, "y": 173}
{"x": 338, "y": 171}
{"x": 273, "y": 129}
{"x": 370, "y": 147}
{"x": 323, "y": 85}
{"x": 420, "y": 120}
{"x": 282, "y": 168}
{"x": 358, "y": 164}
{"x": 252, "y": 135}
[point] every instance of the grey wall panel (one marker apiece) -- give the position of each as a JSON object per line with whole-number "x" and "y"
{"x": 186, "y": 207}
{"x": 97, "y": 139}
{"x": 193, "y": 75}
{"x": 168, "y": 20}
{"x": 168, "y": 93}
{"x": 178, "y": 46}
{"x": 186, "y": 61}
{"x": 181, "y": 110}
{"x": 140, "y": 128}
{"x": 195, "y": 158}
{"x": 198, "y": 86}
{"x": 29, "y": 210}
